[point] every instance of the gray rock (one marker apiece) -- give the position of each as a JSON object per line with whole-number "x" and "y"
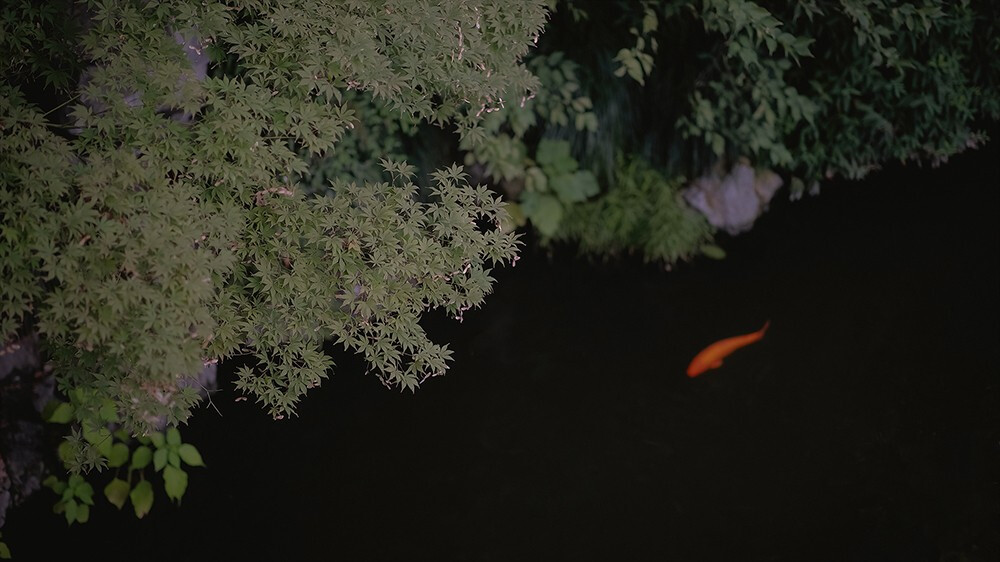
{"x": 734, "y": 201}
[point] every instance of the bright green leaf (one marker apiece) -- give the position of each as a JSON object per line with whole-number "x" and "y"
{"x": 66, "y": 452}
{"x": 85, "y": 492}
{"x": 82, "y": 513}
{"x": 69, "y": 510}
{"x": 190, "y": 455}
{"x": 108, "y": 412}
{"x": 159, "y": 459}
{"x": 118, "y": 456}
{"x": 61, "y": 413}
{"x": 157, "y": 438}
{"x": 100, "y": 439}
{"x": 175, "y": 482}
{"x": 116, "y": 491}
{"x": 142, "y": 498}
{"x": 713, "y": 251}
{"x": 174, "y": 459}
{"x": 54, "y": 483}
{"x": 141, "y": 457}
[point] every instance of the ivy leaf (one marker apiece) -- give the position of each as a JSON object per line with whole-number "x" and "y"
{"x": 190, "y": 455}
{"x": 174, "y": 459}
{"x": 141, "y": 457}
{"x": 4, "y": 551}
{"x": 175, "y": 482}
{"x": 116, "y": 491}
{"x": 142, "y": 498}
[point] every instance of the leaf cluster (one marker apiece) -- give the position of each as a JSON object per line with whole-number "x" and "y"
{"x": 641, "y": 213}
{"x": 116, "y": 449}
{"x": 162, "y": 226}
{"x": 827, "y": 90}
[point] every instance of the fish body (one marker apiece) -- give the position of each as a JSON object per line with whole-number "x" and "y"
{"x": 711, "y": 357}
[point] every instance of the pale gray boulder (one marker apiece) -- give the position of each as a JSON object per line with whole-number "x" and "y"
{"x": 732, "y": 202}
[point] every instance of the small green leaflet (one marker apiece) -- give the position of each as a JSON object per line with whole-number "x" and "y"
{"x": 173, "y": 437}
{"x": 575, "y": 187}
{"x": 190, "y": 455}
{"x": 544, "y": 211}
{"x": 175, "y": 482}
{"x": 116, "y": 491}
{"x": 58, "y": 412}
{"x": 160, "y": 459}
{"x": 142, "y": 498}
{"x": 118, "y": 456}
{"x": 141, "y": 457}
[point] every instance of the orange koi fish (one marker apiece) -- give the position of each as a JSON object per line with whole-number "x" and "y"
{"x": 711, "y": 357}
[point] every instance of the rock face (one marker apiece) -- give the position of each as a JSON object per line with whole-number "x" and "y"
{"x": 24, "y": 388}
{"x": 734, "y": 201}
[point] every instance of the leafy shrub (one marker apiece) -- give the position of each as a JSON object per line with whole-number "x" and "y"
{"x": 642, "y": 212}
{"x": 159, "y": 226}
{"x": 827, "y": 90}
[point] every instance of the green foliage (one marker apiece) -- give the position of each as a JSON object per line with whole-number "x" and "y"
{"x": 167, "y": 454}
{"x": 636, "y": 61}
{"x": 558, "y": 103}
{"x": 554, "y": 185}
{"x": 641, "y": 213}
{"x": 884, "y": 80}
{"x": 551, "y": 180}
{"x": 39, "y": 40}
{"x": 147, "y": 246}
{"x": 376, "y": 134}
{"x": 142, "y": 498}
{"x": 76, "y": 495}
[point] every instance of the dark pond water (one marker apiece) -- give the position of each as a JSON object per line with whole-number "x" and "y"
{"x": 865, "y": 426}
